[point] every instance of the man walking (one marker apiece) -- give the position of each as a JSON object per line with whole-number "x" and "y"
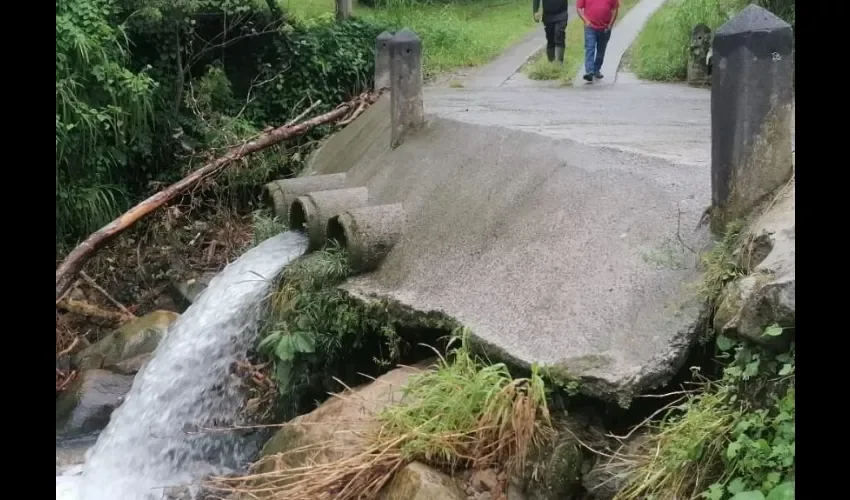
{"x": 598, "y": 17}
{"x": 554, "y": 17}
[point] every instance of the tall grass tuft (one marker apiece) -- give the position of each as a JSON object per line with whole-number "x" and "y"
{"x": 661, "y": 50}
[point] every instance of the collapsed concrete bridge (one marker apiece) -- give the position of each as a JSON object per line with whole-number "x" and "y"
{"x": 561, "y": 226}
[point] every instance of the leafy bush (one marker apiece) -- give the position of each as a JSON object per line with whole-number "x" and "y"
{"x": 314, "y": 332}
{"x": 103, "y": 113}
{"x": 733, "y": 440}
{"x": 149, "y": 89}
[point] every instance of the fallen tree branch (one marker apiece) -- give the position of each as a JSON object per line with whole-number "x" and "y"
{"x": 85, "y": 309}
{"x": 75, "y": 261}
{"x": 92, "y": 283}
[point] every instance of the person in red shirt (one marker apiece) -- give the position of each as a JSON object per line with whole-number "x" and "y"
{"x": 598, "y": 17}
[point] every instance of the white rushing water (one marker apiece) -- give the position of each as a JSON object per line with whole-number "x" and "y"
{"x": 150, "y": 442}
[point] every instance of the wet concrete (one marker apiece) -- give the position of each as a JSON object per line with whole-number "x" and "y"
{"x": 559, "y": 224}
{"x": 669, "y": 121}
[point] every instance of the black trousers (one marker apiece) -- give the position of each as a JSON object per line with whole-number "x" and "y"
{"x": 555, "y": 34}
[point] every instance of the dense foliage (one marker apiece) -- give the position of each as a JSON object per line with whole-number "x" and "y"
{"x": 661, "y": 50}
{"x": 146, "y": 89}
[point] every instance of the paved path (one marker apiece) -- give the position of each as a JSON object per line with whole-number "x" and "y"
{"x": 669, "y": 121}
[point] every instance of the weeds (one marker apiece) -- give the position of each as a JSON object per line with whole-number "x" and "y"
{"x": 660, "y": 51}
{"x": 454, "y": 34}
{"x": 461, "y": 413}
{"x": 720, "y": 264}
{"x": 266, "y": 226}
{"x": 466, "y": 413}
{"x": 734, "y": 439}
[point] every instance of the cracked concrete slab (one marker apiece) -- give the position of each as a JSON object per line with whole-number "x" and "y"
{"x": 552, "y": 251}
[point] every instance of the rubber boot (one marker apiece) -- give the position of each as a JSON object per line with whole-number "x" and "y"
{"x": 550, "y": 53}
{"x": 559, "y": 54}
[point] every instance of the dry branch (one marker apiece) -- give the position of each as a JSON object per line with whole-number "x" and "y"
{"x": 75, "y": 261}
{"x": 85, "y": 309}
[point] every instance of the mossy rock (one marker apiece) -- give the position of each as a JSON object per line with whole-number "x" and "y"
{"x": 138, "y": 337}
{"x": 554, "y": 472}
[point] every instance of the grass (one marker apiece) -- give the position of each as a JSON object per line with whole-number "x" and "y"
{"x": 539, "y": 68}
{"x": 733, "y": 439}
{"x": 721, "y": 265}
{"x": 454, "y": 35}
{"x": 462, "y": 413}
{"x": 660, "y": 51}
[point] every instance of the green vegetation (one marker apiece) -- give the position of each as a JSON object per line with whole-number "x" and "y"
{"x": 461, "y": 413}
{"x": 721, "y": 265}
{"x": 454, "y": 34}
{"x": 317, "y": 335}
{"x": 467, "y": 411}
{"x": 660, "y": 51}
{"x": 539, "y": 68}
{"x": 147, "y": 90}
{"x": 734, "y": 439}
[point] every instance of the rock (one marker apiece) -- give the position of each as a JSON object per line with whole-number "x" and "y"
{"x": 133, "y": 365}
{"x": 90, "y": 400}
{"x": 485, "y": 480}
{"x": 140, "y": 336}
{"x": 420, "y": 482}
{"x": 340, "y": 421}
{"x": 558, "y": 469}
{"x": 608, "y": 476}
{"x": 187, "y": 292}
{"x": 768, "y": 295}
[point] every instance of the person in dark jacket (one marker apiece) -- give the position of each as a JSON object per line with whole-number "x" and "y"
{"x": 554, "y": 16}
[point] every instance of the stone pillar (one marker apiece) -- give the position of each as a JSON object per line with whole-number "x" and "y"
{"x": 751, "y": 107}
{"x": 406, "y": 100}
{"x": 382, "y": 61}
{"x": 698, "y": 51}
{"x": 343, "y": 9}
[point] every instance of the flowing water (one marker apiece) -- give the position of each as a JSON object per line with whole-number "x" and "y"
{"x": 152, "y": 440}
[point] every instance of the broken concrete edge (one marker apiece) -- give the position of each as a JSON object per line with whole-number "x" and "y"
{"x": 663, "y": 368}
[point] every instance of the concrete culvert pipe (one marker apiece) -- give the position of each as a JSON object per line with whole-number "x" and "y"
{"x": 279, "y": 195}
{"x": 369, "y": 233}
{"x": 313, "y": 211}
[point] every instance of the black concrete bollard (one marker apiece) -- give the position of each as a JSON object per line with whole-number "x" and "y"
{"x": 382, "y": 61}
{"x": 406, "y": 100}
{"x": 343, "y": 9}
{"x": 752, "y": 101}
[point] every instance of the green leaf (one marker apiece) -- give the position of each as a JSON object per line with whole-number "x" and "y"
{"x": 786, "y": 369}
{"x": 737, "y": 485}
{"x": 282, "y": 375}
{"x": 285, "y": 351}
{"x": 773, "y": 330}
{"x": 784, "y": 491}
{"x": 724, "y": 343}
{"x": 269, "y": 341}
{"x": 748, "y": 495}
{"x": 304, "y": 342}
{"x": 715, "y": 492}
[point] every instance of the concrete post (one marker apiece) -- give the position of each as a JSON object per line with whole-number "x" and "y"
{"x": 406, "y": 101}
{"x": 382, "y": 61}
{"x": 752, "y": 101}
{"x": 343, "y": 9}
